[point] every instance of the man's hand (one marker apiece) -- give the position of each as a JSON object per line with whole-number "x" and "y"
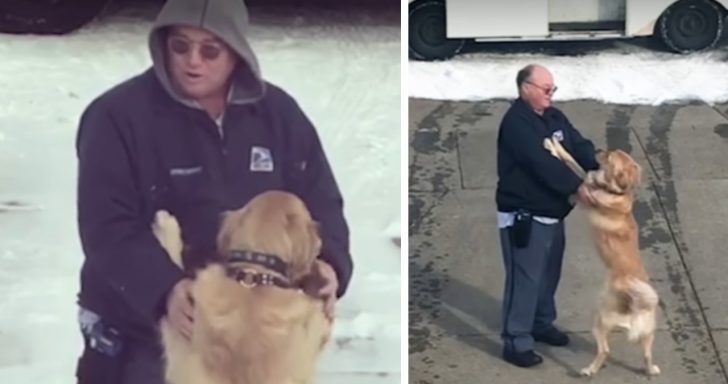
{"x": 323, "y": 283}
{"x": 180, "y": 308}
{"x": 584, "y": 195}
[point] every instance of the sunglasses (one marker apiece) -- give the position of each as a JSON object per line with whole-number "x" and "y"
{"x": 546, "y": 90}
{"x": 208, "y": 51}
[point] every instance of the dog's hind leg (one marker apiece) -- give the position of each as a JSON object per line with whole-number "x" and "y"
{"x": 600, "y": 332}
{"x": 646, "y": 342}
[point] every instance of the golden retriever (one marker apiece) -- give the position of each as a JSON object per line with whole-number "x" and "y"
{"x": 628, "y": 300}
{"x": 243, "y": 332}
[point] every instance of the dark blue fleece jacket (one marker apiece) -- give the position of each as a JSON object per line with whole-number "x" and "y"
{"x": 529, "y": 177}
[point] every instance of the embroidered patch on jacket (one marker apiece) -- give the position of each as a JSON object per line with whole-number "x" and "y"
{"x": 184, "y": 171}
{"x": 558, "y": 135}
{"x": 261, "y": 159}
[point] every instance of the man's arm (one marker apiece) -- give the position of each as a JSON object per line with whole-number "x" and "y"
{"x": 584, "y": 151}
{"x": 525, "y": 144}
{"x": 312, "y": 179}
{"x": 116, "y": 234}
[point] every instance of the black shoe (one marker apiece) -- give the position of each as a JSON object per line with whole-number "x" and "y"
{"x": 552, "y": 337}
{"x": 522, "y": 359}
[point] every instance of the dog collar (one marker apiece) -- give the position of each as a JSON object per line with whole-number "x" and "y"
{"x": 269, "y": 261}
{"x": 250, "y": 278}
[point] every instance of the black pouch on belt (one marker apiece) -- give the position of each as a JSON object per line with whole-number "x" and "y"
{"x": 103, "y": 355}
{"x": 521, "y": 230}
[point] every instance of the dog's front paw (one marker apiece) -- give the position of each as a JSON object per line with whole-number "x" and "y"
{"x": 549, "y": 145}
{"x": 588, "y": 372}
{"x": 653, "y": 370}
{"x": 167, "y": 231}
{"x": 165, "y": 226}
{"x": 164, "y": 221}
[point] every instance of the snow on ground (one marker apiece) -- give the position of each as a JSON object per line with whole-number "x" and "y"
{"x": 620, "y": 73}
{"x": 345, "y": 73}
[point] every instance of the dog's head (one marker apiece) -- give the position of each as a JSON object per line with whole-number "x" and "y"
{"x": 276, "y": 223}
{"x": 618, "y": 172}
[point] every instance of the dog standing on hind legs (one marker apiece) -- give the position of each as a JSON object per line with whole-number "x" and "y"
{"x": 628, "y": 300}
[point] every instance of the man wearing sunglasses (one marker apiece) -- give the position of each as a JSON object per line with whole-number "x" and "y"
{"x": 198, "y": 133}
{"x": 533, "y": 198}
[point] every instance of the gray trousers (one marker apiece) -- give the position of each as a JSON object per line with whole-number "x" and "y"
{"x": 532, "y": 276}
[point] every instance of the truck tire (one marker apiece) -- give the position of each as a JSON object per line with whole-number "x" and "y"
{"x": 46, "y": 17}
{"x": 691, "y": 25}
{"x": 427, "y": 34}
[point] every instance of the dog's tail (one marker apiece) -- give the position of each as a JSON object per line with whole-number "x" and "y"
{"x": 643, "y": 303}
{"x": 644, "y": 297}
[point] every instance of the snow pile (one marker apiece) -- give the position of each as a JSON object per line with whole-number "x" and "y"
{"x": 611, "y": 76}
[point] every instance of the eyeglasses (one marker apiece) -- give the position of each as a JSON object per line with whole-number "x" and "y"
{"x": 546, "y": 90}
{"x": 181, "y": 46}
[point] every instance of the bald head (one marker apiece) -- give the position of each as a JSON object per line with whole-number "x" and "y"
{"x": 532, "y": 72}
{"x": 535, "y": 86}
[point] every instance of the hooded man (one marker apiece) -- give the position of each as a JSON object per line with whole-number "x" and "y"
{"x": 197, "y": 134}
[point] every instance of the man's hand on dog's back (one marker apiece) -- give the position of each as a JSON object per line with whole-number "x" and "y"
{"x": 180, "y": 307}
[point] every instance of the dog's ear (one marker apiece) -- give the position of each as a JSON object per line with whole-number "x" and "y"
{"x": 600, "y": 156}
{"x": 314, "y": 233}
{"x": 622, "y": 178}
{"x": 296, "y": 231}
{"x": 305, "y": 243}
{"x": 636, "y": 174}
{"x": 228, "y": 221}
{"x": 627, "y": 173}
{"x": 223, "y": 215}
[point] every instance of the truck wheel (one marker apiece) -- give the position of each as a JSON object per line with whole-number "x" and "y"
{"x": 427, "y": 34}
{"x": 47, "y": 16}
{"x": 691, "y": 25}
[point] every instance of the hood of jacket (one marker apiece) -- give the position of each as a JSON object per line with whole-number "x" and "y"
{"x": 226, "y": 19}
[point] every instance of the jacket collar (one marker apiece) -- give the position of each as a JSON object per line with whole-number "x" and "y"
{"x": 165, "y": 104}
{"x": 523, "y": 106}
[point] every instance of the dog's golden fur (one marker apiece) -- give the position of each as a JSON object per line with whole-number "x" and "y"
{"x": 261, "y": 335}
{"x": 628, "y": 300}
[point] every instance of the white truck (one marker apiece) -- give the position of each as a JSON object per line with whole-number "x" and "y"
{"x": 52, "y": 17}
{"x": 47, "y": 16}
{"x": 439, "y": 29}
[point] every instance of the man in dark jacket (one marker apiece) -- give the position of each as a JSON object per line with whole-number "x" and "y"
{"x": 533, "y": 198}
{"x": 197, "y": 134}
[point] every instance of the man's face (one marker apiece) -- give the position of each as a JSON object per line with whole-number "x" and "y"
{"x": 538, "y": 89}
{"x": 199, "y": 62}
